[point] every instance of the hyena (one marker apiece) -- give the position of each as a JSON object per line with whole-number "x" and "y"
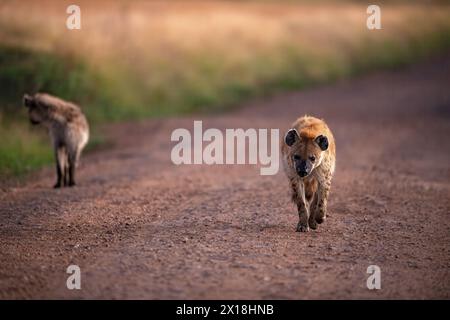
{"x": 68, "y": 129}
{"x": 309, "y": 156}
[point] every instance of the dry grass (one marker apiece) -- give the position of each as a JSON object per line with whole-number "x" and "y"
{"x": 203, "y": 48}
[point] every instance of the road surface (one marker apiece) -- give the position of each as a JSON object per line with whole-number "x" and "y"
{"x": 140, "y": 227}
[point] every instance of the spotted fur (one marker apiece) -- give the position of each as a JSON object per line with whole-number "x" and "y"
{"x": 309, "y": 149}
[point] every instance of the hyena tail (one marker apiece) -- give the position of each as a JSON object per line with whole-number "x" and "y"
{"x": 81, "y": 145}
{"x": 76, "y": 156}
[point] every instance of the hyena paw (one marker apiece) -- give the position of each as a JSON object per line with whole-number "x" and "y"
{"x": 57, "y": 185}
{"x": 312, "y": 224}
{"x": 71, "y": 183}
{"x": 302, "y": 227}
{"x": 321, "y": 218}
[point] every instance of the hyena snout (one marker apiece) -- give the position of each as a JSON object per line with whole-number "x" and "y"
{"x": 302, "y": 167}
{"x": 302, "y": 170}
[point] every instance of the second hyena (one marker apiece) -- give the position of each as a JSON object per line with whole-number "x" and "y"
{"x": 68, "y": 129}
{"x": 309, "y": 156}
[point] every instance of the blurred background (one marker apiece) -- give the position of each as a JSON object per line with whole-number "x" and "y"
{"x": 137, "y": 59}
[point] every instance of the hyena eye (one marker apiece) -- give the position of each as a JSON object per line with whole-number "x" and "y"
{"x": 312, "y": 158}
{"x": 296, "y": 157}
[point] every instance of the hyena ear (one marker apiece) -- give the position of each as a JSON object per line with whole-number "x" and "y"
{"x": 290, "y": 137}
{"x": 322, "y": 141}
{"x": 27, "y": 100}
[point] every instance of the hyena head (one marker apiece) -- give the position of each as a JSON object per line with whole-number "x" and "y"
{"x": 36, "y": 111}
{"x": 306, "y": 150}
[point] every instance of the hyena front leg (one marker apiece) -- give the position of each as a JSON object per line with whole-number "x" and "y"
{"x": 313, "y": 212}
{"x": 298, "y": 196}
{"x": 322, "y": 200}
{"x": 303, "y": 214}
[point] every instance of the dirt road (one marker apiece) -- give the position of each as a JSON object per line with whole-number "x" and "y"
{"x": 140, "y": 227}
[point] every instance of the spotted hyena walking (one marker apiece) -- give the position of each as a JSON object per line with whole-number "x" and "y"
{"x": 309, "y": 156}
{"x": 68, "y": 129}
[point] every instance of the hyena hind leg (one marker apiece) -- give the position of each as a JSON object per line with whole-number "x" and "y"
{"x": 61, "y": 162}
{"x": 66, "y": 174}
{"x": 73, "y": 158}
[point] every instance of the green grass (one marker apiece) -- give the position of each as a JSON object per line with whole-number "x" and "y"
{"x": 22, "y": 150}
